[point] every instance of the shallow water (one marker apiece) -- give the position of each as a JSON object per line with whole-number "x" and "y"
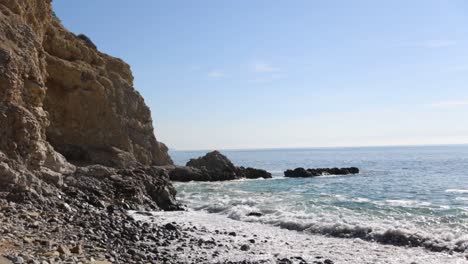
{"x": 415, "y": 196}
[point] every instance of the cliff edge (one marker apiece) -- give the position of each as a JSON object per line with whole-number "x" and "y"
{"x": 64, "y": 103}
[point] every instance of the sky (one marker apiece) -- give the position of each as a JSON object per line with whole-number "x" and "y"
{"x": 222, "y": 74}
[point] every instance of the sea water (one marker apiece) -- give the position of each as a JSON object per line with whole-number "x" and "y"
{"x": 403, "y": 196}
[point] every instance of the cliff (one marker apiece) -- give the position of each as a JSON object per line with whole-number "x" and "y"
{"x": 64, "y": 103}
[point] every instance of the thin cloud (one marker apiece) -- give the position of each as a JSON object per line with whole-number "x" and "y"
{"x": 447, "y": 104}
{"x": 261, "y": 67}
{"x": 216, "y": 74}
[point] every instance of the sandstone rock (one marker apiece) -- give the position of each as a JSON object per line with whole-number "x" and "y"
{"x": 62, "y": 101}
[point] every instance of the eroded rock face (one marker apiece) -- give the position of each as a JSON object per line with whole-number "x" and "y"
{"x": 58, "y": 92}
{"x": 64, "y": 104}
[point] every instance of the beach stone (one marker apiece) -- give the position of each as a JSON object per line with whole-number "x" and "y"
{"x": 64, "y": 250}
{"x": 170, "y": 226}
{"x": 284, "y": 261}
{"x": 78, "y": 249}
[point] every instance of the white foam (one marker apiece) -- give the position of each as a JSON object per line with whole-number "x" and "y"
{"x": 407, "y": 203}
{"x": 287, "y": 243}
{"x": 456, "y": 191}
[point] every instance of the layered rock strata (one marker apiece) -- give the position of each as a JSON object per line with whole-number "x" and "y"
{"x": 64, "y": 104}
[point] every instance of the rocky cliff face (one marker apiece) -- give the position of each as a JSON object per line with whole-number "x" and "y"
{"x": 63, "y": 103}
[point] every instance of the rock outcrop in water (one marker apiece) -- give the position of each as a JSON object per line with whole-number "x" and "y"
{"x": 64, "y": 104}
{"x": 214, "y": 166}
{"x": 301, "y": 172}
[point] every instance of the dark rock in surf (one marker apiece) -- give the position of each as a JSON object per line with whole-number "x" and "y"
{"x": 214, "y": 166}
{"x": 245, "y": 248}
{"x": 256, "y": 214}
{"x": 298, "y": 172}
{"x": 302, "y": 173}
{"x": 213, "y": 161}
{"x": 252, "y": 173}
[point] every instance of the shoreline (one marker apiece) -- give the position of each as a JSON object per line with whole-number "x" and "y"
{"x": 270, "y": 244}
{"x": 32, "y": 233}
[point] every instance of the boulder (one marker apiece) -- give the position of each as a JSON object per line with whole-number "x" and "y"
{"x": 252, "y": 173}
{"x": 214, "y": 166}
{"x": 133, "y": 188}
{"x": 213, "y": 161}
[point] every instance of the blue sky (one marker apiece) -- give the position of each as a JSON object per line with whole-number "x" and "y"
{"x": 223, "y": 74}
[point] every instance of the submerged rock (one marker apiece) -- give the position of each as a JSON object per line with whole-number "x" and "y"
{"x": 302, "y": 173}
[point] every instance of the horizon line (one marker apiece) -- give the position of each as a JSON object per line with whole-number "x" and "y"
{"x": 327, "y": 147}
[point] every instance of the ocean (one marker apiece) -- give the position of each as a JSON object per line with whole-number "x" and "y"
{"x": 403, "y": 196}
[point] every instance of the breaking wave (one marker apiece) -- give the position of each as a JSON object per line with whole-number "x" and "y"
{"x": 440, "y": 242}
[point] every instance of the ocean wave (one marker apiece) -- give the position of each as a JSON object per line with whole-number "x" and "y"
{"x": 407, "y": 203}
{"x": 456, "y": 191}
{"x": 391, "y": 236}
{"x": 446, "y": 241}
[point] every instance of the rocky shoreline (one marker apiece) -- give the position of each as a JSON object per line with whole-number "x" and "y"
{"x": 82, "y": 216}
{"x": 45, "y": 234}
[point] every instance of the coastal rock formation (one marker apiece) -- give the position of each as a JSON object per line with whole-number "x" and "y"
{"x": 143, "y": 187}
{"x": 301, "y": 172}
{"x": 213, "y": 161}
{"x": 64, "y": 104}
{"x": 214, "y": 166}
